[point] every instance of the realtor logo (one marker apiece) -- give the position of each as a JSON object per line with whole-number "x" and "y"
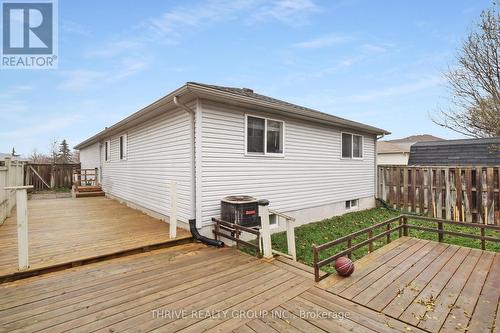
{"x": 29, "y": 34}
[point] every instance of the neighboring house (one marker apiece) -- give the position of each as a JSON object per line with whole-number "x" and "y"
{"x": 479, "y": 152}
{"x": 219, "y": 141}
{"x": 397, "y": 152}
{"x": 12, "y": 157}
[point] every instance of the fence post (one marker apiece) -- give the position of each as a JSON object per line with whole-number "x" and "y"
{"x": 290, "y": 239}
{"x": 483, "y": 243}
{"x": 440, "y": 234}
{"x": 405, "y": 226}
{"x": 370, "y": 244}
{"x": 349, "y": 245}
{"x": 173, "y": 210}
{"x": 315, "y": 263}
{"x": 400, "y": 230}
{"x": 22, "y": 224}
{"x": 388, "y": 236}
{"x": 95, "y": 177}
{"x": 265, "y": 228}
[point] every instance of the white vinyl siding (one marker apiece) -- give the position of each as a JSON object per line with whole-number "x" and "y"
{"x": 157, "y": 152}
{"x": 310, "y": 174}
{"x": 89, "y": 157}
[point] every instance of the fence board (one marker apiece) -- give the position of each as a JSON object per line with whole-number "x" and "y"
{"x": 460, "y": 193}
{"x": 53, "y": 175}
{"x": 10, "y": 175}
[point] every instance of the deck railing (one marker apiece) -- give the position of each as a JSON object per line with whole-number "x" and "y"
{"x": 404, "y": 224}
{"x": 262, "y": 244}
{"x": 86, "y": 177}
{"x": 11, "y": 174}
{"x": 233, "y": 231}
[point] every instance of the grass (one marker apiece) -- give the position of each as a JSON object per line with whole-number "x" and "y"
{"x": 338, "y": 226}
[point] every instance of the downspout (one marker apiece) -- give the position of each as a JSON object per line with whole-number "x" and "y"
{"x": 193, "y": 148}
{"x": 376, "y": 165}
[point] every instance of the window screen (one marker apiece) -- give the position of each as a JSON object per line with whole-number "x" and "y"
{"x": 255, "y": 135}
{"x": 346, "y": 145}
{"x": 274, "y": 137}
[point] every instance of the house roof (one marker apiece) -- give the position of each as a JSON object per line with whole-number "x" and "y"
{"x": 403, "y": 145}
{"x": 417, "y": 138}
{"x": 13, "y": 158}
{"x": 456, "y": 152}
{"x": 387, "y": 147}
{"x": 237, "y": 96}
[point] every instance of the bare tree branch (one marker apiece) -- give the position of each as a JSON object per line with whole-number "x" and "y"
{"x": 474, "y": 83}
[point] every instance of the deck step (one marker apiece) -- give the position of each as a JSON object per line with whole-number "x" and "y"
{"x": 90, "y": 194}
{"x": 88, "y": 188}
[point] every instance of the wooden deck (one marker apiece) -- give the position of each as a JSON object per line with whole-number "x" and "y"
{"x": 74, "y": 230}
{"x": 193, "y": 288}
{"x": 188, "y": 288}
{"x": 434, "y": 286}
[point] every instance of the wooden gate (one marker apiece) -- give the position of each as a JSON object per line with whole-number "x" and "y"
{"x": 49, "y": 176}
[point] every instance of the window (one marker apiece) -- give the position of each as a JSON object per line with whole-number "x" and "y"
{"x": 255, "y": 135}
{"x": 264, "y": 136}
{"x": 107, "y": 155}
{"x": 350, "y": 204}
{"x": 123, "y": 147}
{"x": 352, "y": 146}
{"x": 273, "y": 221}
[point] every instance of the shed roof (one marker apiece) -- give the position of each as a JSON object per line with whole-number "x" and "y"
{"x": 242, "y": 96}
{"x": 456, "y": 152}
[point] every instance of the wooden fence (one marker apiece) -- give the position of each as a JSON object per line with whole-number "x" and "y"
{"x": 467, "y": 194}
{"x": 49, "y": 176}
{"x": 11, "y": 174}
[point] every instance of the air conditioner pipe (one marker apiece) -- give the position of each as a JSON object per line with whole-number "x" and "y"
{"x": 203, "y": 239}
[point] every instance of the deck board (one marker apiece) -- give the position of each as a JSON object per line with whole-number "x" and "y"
{"x": 123, "y": 294}
{"x": 439, "y": 288}
{"x": 71, "y": 230}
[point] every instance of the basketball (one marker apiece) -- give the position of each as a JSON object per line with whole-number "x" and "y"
{"x": 344, "y": 266}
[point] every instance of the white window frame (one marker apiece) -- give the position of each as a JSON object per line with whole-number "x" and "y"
{"x": 274, "y": 221}
{"x": 107, "y": 147}
{"x": 282, "y": 154}
{"x": 122, "y": 155}
{"x": 352, "y": 146}
{"x": 351, "y": 206}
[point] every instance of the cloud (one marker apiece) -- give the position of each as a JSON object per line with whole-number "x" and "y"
{"x": 49, "y": 125}
{"x": 75, "y": 28}
{"x": 320, "y": 42}
{"x": 287, "y": 11}
{"x": 376, "y": 48}
{"x": 169, "y": 26}
{"x": 129, "y": 66}
{"x": 113, "y": 49}
{"x": 81, "y": 78}
{"x": 402, "y": 89}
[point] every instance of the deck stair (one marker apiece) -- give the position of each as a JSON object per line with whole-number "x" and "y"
{"x": 86, "y": 184}
{"x": 88, "y": 191}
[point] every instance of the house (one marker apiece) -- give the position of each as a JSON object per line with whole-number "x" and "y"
{"x": 218, "y": 141}
{"x": 14, "y": 157}
{"x": 397, "y": 152}
{"x": 477, "y": 152}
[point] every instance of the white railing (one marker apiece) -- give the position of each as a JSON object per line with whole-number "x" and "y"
{"x": 267, "y": 249}
{"x": 11, "y": 174}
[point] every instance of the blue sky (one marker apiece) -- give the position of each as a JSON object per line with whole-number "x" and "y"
{"x": 377, "y": 62}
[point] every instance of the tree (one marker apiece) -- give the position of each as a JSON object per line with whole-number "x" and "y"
{"x": 53, "y": 150}
{"x": 475, "y": 82}
{"x": 64, "y": 155}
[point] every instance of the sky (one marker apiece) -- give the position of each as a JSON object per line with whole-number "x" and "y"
{"x": 376, "y": 62}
